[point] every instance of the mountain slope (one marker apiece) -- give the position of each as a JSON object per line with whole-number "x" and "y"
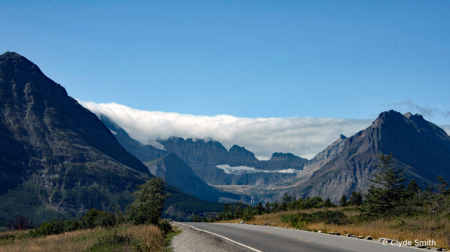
{"x": 323, "y": 157}
{"x": 57, "y": 159}
{"x": 420, "y": 147}
{"x": 177, "y": 173}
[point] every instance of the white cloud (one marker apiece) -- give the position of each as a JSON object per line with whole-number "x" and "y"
{"x": 302, "y": 136}
{"x": 425, "y": 111}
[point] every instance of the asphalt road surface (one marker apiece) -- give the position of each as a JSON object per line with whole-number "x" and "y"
{"x": 273, "y": 239}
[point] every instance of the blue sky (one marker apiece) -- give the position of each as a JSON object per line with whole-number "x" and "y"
{"x": 338, "y": 59}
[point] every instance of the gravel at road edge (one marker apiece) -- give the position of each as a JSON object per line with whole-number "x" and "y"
{"x": 192, "y": 240}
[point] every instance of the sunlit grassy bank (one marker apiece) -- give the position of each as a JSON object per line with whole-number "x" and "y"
{"x": 421, "y": 227}
{"x": 121, "y": 238}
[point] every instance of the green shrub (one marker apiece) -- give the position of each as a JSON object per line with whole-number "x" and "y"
{"x": 94, "y": 218}
{"x": 49, "y": 228}
{"x": 328, "y": 217}
{"x": 165, "y": 227}
{"x": 71, "y": 225}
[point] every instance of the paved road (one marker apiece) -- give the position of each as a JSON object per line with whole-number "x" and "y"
{"x": 264, "y": 238}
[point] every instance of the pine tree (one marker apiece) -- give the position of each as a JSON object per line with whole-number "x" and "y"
{"x": 356, "y": 199}
{"x": 267, "y": 208}
{"x": 260, "y": 208}
{"x": 343, "y": 201}
{"x": 442, "y": 186}
{"x": 412, "y": 189}
{"x": 387, "y": 190}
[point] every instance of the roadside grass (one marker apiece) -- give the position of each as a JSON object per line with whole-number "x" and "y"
{"x": 142, "y": 238}
{"x": 420, "y": 228}
{"x": 169, "y": 237}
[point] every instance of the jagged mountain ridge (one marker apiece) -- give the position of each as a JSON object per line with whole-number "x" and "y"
{"x": 203, "y": 156}
{"x": 419, "y": 147}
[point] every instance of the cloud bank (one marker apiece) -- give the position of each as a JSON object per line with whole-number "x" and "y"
{"x": 301, "y": 136}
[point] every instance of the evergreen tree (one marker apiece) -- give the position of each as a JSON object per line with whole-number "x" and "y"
{"x": 285, "y": 202}
{"x": 267, "y": 208}
{"x": 356, "y": 199}
{"x": 328, "y": 203}
{"x": 412, "y": 189}
{"x": 275, "y": 207}
{"x": 260, "y": 208}
{"x": 148, "y": 204}
{"x": 287, "y": 198}
{"x": 387, "y": 190}
{"x": 442, "y": 187}
{"x": 343, "y": 201}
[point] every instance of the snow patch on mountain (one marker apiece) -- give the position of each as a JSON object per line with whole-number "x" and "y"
{"x": 156, "y": 145}
{"x": 238, "y": 170}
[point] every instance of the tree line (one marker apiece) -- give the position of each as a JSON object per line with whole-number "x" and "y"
{"x": 387, "y": 195}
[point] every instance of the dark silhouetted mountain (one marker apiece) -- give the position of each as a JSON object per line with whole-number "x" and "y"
{"x": 178, "y": 174}
{"x": 57, "y": 159}
{"x": 419, "y": 147}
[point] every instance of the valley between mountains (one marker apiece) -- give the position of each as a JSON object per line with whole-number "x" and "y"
{"x": 62, "y": 159}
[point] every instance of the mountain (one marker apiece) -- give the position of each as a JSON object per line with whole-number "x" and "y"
{"x": 166, "y": 164}
{"x": 143, "y": 152}
{"x": 204, "y": 157}
{"x": 57, "y": 159}
{"x": 177, "y": 173}
{"x": 419, "y": 147}
{"x": 323, "y": 157}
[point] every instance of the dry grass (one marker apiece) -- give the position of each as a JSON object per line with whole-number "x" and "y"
{"x": 15, "y": 232}
{"x": 407, "y": 229}
{"x": 83, "y": 239}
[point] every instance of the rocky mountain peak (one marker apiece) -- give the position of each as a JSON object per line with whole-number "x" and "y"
{"x": 17, "y": 61}
{"x": 281, "y": 154}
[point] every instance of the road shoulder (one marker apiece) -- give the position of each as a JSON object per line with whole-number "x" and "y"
{"x": 193, "y": 240}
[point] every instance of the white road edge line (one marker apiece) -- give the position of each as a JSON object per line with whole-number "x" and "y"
{"x": 221, "y": 237}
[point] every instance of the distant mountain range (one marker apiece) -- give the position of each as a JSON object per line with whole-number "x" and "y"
{"x": 419, "y": 147}
{"x": 57, "y": 159}
{"x": 211, "y": 162}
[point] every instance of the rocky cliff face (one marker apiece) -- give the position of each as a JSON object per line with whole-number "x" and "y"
{"x": 282, "y": 161}
{"x": 419, "y": 147}
{"x": 54, "y": 151}
{"x": 203, "y": 157}
{"x": 323, "y": 157}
